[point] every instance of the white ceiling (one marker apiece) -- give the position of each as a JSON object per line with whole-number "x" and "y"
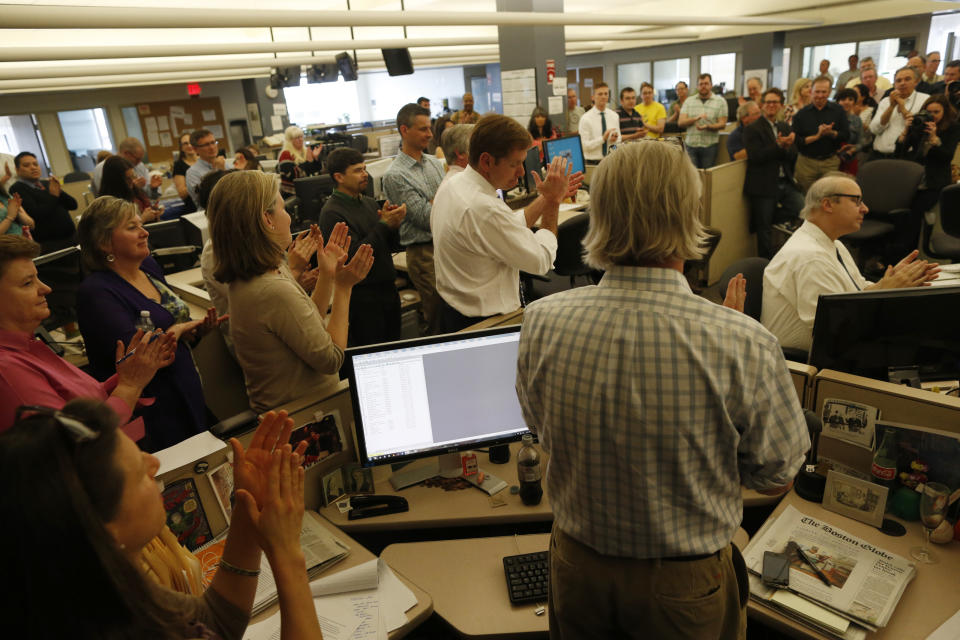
{"x": 20, "y": 72}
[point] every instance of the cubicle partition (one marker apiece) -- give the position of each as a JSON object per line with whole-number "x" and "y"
{"x": 803, "y": 376}
{"x": 725, "y": 208}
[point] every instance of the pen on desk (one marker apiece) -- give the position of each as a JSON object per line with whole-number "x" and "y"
{"x": 806, "y": 558}
{"x": 134, "y": 350}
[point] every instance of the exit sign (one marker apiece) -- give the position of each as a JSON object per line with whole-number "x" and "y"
{"x": 193, "y": 89}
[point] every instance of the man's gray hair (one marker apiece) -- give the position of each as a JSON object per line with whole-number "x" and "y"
{"x": 645, "y": 206}
{"x": 455, "y": 139}
{"x": 913, "y": 70}
{"x": 744, "y": 110}
{"x": 129, "y": 145}
{"x": 823, "y": 188}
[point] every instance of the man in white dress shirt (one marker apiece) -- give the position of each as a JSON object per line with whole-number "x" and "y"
{"x": 480, "y": 244}
{"x": 892, "y": 113}
{"x": 814, "y": 262}
{"x": 599, "y": 127}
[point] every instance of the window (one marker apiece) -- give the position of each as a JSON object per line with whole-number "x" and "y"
{"x": 722, "y": 67}
{"x": 666, "y": 75}
{"x": 131, "y": 121}
{"x": 86, "y": 133}
{"x": 837, "y": 54}
{"x": 884, "y": 54}
{"x": 21, "y": 133}
{"x": 632, "y": 75}
{"x": 784, "y": 80}
{"x": 941, "y": 26}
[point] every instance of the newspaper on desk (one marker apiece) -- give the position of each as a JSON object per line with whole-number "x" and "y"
{"x": 866, "y": 582}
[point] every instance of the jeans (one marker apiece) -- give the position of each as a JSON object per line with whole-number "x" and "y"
{"x": 703, "y": 157}
{"x": 764, "y": 214}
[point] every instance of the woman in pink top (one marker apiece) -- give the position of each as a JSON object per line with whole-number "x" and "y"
{"x": 31, "y": 374}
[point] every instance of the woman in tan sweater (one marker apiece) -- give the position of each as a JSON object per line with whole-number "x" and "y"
{"x": 282, "y": 342}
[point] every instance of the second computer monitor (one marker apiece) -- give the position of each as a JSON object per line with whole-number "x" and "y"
{"x": 531, "y": 164}
{"x": 569, "y": 147}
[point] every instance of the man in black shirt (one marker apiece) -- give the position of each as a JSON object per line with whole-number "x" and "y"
{"x": 47, "y": 204}
{"x": 821, "y": 128}
{"x": 375, "y": 303}
{"x": 631, "y": 124}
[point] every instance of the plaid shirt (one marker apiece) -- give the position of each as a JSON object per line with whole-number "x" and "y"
{"x": 414, "y": 184}
{"x": 655, "y": 406}
{"x": 714, "y": 107}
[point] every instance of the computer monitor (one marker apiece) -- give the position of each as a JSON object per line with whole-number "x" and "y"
{"x": 531, "y": 164}
{"x": 375, "y": 170}
{"x": 867, "y": 332}
{"x": 568, "y": 147}
{"x": 61, "y": 271}
{"x": 312, "y": 192}
{"x": 437, "y": 395}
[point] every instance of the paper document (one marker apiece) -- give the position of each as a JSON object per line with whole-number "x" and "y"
{"x": 359, "y": 578}
{"x": 949, "y": 630}
{"x": 189, "y": 451}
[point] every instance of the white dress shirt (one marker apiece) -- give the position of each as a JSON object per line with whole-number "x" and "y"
{"x": 452, "y": 170}
{"x": 805, "y": 268}
{"x": 480, "y": 245}
{"x": 591, "y": 132}
{"x": 887, "y": 134}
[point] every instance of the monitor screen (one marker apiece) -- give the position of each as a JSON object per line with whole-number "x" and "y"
{"x": 435, "y": 395}
{"x": 568, "y": 147}
{"x": 866, "y": 332}
{"x": 531, "y": 164}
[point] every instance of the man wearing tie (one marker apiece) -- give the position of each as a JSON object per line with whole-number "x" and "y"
{"x": 599, "y": 127}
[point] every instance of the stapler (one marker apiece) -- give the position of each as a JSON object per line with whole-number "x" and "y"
{"x": 369, "y": 506}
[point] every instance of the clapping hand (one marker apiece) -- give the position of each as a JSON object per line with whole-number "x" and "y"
{"x": 143, "y": 355}
{"x": 392, "y": 215}
{"x": 303, "y": 248}
{"x": 333, "y": 254}
{"x": 7, "y": 174}
{"x": 558, "y": 181}
{"x": 357, "y": 269}
{"x": 53, "y": 186}
{"x": 155, "y": 181}
{"x": 736, "y": 293}
{"x": 252, "y": 466}
{"x": 196, "y": 329}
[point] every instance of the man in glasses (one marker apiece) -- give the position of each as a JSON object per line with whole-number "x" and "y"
{"x": 205, "y": 144}
{"x": 814, "y": 262}
{"x": 768, "y": 183}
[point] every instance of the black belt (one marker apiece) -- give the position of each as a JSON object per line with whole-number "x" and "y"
{"x": 701, "y": 556}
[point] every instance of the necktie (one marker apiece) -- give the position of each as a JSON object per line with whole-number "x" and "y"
{"x": 603, "y": 128}
{"x": 847, "y": 270}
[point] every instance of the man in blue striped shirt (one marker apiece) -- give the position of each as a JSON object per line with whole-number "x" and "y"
{"x": 655, "y": 406}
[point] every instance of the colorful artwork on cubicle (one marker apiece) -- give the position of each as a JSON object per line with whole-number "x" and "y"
{"x": 185, "y": 515}
{"x": 323, "y": 435}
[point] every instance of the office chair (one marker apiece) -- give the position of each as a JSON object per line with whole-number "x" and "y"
{"x": 944, "y": 244}
{"x": 76, "y": 176}
{"x": 61, "y": 271}
{"x": 752, "y": 269}
{"x": 312, "y": 192}
{"x": 569, "y": 261}
{"x": 889, "y": 187}
{"x": 170, "y": 245}
{"x": 696, "y": 270}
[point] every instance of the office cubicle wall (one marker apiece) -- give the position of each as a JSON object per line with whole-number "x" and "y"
{"x": 924, "y": 410}
{"x": 725, "y": 208}
{"x": 803, "y": 376}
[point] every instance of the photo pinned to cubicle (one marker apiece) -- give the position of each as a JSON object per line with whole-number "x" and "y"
{"x": 333, "y": 486}
{"x": 324, "y": 436}
{"x": 850, "y": 422}
{"x": 221, "y": 480}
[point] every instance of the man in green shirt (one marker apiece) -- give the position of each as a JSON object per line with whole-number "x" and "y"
{"x": 375, "y": 303}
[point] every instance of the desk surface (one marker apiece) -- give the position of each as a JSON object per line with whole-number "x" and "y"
{"x": 358, "y": 555}
{"x": 432, "y": 507}
{"x": 466, "y": 579}
{"x": 929, "y": 600}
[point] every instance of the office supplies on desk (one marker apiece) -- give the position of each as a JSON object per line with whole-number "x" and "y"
{"x": 528, "y": 576}
{"x": 369, "y": 506}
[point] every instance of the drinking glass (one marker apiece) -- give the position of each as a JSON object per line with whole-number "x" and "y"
{"x": 933, "y": 506}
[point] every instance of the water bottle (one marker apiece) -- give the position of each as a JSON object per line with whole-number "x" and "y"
{"x": 528, "y": 472}
{"x": 144, "y": 322}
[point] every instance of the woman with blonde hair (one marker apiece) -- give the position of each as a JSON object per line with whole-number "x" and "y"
{"x": 281, "y": 341}
{"x": 800, "y": 96}
{"x": 297, "y": 159}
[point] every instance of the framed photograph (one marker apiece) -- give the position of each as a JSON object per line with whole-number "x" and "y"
{"x": 855, "y": 498}
{"x": 850, "y": 421}
{"x": 221, "y": 479}
{"x": 332, "y": 484}
{"x": 324, "y": 437}
{"x": 358, "y": 479}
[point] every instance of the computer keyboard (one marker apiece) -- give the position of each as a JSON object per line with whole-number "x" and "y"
{"x": 527, "y": 577}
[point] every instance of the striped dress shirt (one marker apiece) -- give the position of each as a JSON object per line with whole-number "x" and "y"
{"x": 655, "y": 406}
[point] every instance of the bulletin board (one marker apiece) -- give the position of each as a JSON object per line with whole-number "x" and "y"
{"x": 163, "y": 123}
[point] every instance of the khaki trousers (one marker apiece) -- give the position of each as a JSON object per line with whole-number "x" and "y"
{"x": 596, "y": 596}
{"x": 422, "y": 275}
{"x": 809, "y": 170}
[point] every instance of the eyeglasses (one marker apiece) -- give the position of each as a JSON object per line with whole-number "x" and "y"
{"x": 856, "y": 199}
{"x": 206, "y": 144}
{"x": 77, "y": 431}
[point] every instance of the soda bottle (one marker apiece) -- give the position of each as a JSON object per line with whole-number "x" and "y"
{"x": 528, "y": 472}
{"x": 145, "y": 322}
{"x": 884, "y": 467}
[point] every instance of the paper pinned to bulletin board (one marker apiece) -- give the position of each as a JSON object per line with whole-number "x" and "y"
{"x": 163, "y": 123}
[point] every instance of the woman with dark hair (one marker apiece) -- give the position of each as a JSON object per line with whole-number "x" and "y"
{"x": 244, "y": 160}
{"x": 125, "y": 283}
{"x": 87, "y": 503}
{"x": 185, "y": 160}
{"x": 117, "y": 180}
{"x": 439, "y": 125}
{"x": 540, "y": 128}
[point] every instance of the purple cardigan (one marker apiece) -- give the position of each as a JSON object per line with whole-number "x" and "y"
{"x": 107, "y": 308}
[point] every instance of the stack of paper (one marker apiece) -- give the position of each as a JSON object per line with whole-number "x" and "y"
{"x": 365, "y": 602}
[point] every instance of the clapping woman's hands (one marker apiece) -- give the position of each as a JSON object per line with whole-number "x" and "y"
{"x": 334, "y": 254}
